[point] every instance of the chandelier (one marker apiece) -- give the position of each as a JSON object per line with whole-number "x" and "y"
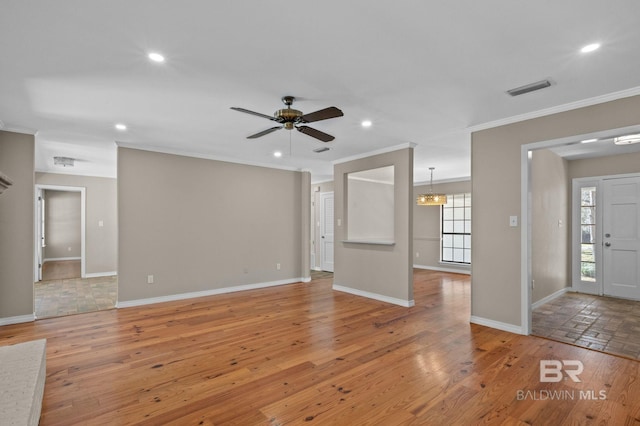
{"x": 431, "y": 199}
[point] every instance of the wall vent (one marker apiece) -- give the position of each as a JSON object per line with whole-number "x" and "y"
{"x": 529, "y": 88}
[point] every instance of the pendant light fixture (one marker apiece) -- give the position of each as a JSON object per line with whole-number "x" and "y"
{"x": 431, "y": 199}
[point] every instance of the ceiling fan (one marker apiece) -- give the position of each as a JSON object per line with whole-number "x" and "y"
{"x": 290, "y": 118}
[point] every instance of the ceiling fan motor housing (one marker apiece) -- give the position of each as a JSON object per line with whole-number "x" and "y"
{"x": 288, "y": 117}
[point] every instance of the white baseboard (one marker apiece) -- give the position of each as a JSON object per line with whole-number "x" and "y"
{"x": 101, "y": 274}
{"x": 213, "y": 292}
{"x": 375, "y": 296}
{"x": 17, "y": 320}
{"x": 440, "y": 269}
{"x": 306, "y": 280}
{"x": 550, "y": 297}
{"x": 58, "y": 259}
{"x": 496, "y": 324}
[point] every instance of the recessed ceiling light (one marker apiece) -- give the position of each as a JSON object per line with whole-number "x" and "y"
{"x": 121, "y": 126}
{"x": 366, "y": 123}
{"x": 590, "y": 47}
{"x": 627, "y": 140}
{"x": 277, "y": 154}
{"x": 589, "y": 140}
{"x": 155, "y": 57}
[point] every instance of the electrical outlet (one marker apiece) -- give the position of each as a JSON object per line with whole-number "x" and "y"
{"x": 278, "y": 266}
{"x": 417, "y": 254}
{"x": 149, "y": 279}
{"x": 533, "y": 283}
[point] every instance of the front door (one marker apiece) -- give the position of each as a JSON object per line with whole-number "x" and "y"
{"x": 621, "y": 237}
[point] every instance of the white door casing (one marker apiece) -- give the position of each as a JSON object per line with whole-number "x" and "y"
{"x": 326, "y": 231}
{"x": 621, "y": 237}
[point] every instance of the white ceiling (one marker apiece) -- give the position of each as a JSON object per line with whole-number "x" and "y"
{"x": 423, "y": 72}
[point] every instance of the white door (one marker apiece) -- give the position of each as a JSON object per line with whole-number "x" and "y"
{"x": 40, "y": 223}
{"x": 621, "y": 237}
{"x": 326, "y": 231}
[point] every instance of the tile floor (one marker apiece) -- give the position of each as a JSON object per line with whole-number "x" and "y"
{"x": 56, "y": 298}
{"x": 601, "y": 323}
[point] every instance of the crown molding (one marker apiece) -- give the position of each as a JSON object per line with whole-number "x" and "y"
{"x": 557, "y": 109}
{"x": 437, "y": 182}
{"x": 23, "y": 130}
{"x": 376, "y": 152}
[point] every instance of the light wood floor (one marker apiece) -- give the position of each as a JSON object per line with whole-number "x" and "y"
{"x": 305, "y": 354}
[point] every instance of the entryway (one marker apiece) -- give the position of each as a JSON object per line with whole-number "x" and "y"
{"x": 606, "y": 236}
{"x": 62, "y": 284}
{"x": 606, "y": 324}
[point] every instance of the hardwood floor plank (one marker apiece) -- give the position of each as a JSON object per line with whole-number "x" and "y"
{"x": 305, "y": 354}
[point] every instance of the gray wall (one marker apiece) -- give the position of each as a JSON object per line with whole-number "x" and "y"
{"x": 62, "y": 225}
{"x": 382, "y": 270}
{"x": 17, "y": 225}
{"x": 550, "y": 224}
{"x": 495, "y": 165}
{"x": 426, "y": 226}
{"x": 101, "y": 205}
{"x": 200, "y": 225}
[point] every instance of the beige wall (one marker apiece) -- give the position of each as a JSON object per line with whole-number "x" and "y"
{"x": 550, "y": 224}
{"x": 605, "y": 166}
{"x": 17, "y": 225}
{"x": 200, "y": 225}
{"x": 426, "y": 226}
{"x": 366, "y": 197}
{"x": 495, "y": 166}
{"x": 101, "y": 206}
{"x": 381, "y": 270}
{"x": 62, "y": 225}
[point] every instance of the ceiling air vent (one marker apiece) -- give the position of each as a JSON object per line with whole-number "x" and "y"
{"x": 529, "y": 88}
{"x": 323, "y": 149}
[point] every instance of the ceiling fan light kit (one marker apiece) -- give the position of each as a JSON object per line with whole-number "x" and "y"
{"x": 627, "y": 140}
{"x": 290, "y": 119}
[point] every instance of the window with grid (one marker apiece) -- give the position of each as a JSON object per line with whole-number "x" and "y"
{"x": 456, "y": 229}
{"x": 587, "y": 233}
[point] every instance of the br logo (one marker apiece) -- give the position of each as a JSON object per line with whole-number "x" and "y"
{"x": 551, "y": 370}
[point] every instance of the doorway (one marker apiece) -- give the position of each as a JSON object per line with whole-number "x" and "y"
{"x": 606, "y": 236}
{"x": 60, "y": 226}
{"x": 326, "y": 231}
{"x": 572, "y": 143}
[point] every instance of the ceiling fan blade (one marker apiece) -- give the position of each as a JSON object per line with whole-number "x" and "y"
{"x": 324, "y": 137}
{"x": 323, "y": 114}
{"x": 264, "y": 132}
{"x": 246, "y": 111}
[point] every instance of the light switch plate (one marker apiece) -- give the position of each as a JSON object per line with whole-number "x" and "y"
{"x": 513, "y": 221}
